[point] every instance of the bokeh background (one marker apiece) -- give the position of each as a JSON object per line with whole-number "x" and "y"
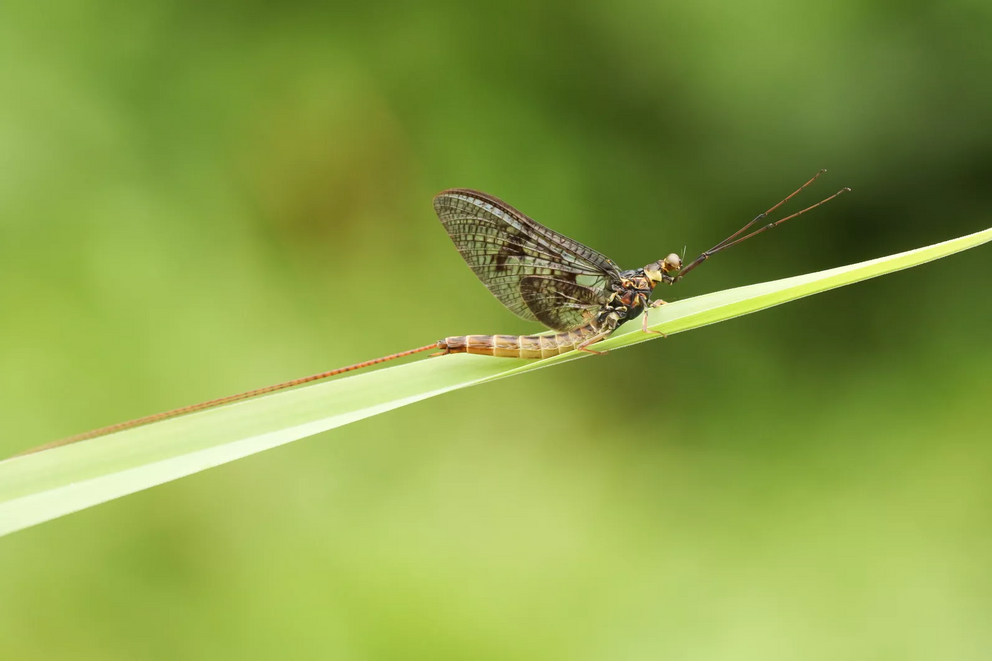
{"x": 198, "y": 199}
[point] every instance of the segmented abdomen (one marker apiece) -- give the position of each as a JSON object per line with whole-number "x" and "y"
{"x": 519, "y": 346}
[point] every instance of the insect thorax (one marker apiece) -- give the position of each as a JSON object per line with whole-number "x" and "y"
{"x": 630, "y": 294}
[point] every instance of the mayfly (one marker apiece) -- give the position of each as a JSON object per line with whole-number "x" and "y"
{"x": 540, "y": 275}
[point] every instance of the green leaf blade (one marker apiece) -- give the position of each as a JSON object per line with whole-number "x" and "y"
{"x": 45, "y": 485}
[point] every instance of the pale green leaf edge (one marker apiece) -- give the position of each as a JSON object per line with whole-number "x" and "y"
{"x": 42, "y": 486}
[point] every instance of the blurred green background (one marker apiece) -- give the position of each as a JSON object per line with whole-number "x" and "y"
{"x": 198, "y": 200}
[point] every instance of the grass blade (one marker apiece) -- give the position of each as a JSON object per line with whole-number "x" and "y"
{"x": 42, "y": 486}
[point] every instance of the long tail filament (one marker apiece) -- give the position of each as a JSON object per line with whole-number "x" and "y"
{"x": 202, "y": 406}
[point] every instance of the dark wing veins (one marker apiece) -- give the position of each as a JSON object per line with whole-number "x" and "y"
{"x": 537, "y": 273}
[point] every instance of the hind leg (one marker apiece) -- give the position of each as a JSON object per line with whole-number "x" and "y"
{"x": 583, "y": 346}
{"x": 644, "y": 321}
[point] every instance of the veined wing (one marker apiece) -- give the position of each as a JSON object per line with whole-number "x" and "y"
{"x": 537, "y": 273}
{"x": 560, "y": 304}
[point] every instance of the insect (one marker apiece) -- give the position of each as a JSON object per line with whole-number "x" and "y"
{"x": 539, "y": 275}
{"x": 544, "y": 276}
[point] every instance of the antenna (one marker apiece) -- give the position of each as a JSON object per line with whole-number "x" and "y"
{"x": 733, "y": 239}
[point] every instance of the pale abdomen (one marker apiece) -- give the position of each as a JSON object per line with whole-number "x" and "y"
{"x": 519, "y": 346}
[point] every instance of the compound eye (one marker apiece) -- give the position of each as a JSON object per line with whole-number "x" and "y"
{"x": 673, "y": 262}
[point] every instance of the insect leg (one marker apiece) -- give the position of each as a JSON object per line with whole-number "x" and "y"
{"x": 592, "y": 340}
{"x": 644, "y": 322}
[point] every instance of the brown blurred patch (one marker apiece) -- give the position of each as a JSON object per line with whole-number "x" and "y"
{"x": 323, "y": 157}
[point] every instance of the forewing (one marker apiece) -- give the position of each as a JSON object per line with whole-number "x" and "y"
{"x": 560, "y": 304}
{"x": 537, "y": 273}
